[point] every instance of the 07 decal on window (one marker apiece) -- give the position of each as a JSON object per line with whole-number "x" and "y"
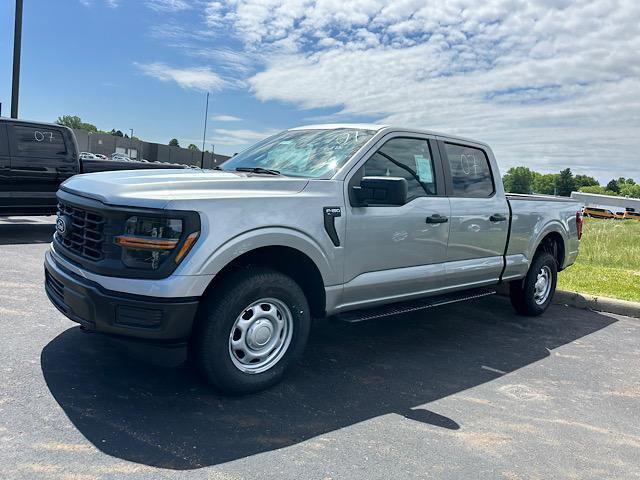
{"x": 41, "y": 136}
{"x": 468, "y": 162}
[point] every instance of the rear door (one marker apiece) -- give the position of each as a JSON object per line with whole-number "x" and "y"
{"x": 393, "y": 252}
{"x": 42, "y": 156}
{"x": 479, "y": 215}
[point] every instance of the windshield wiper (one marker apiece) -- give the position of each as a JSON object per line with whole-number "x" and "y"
{"x": 266, "y": 171}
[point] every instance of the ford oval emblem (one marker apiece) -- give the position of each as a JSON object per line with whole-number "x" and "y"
{"x": 61, "y": 226}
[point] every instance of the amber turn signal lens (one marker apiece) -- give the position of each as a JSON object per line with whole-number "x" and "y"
{"x": 145, "y": 243}
{"x": 191, "y": 239}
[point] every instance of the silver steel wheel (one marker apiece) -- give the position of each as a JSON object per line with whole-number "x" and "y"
{"x": 542, "y": 287}
{"x": 261, "y": 335}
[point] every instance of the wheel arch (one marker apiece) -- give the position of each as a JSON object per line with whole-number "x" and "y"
{"x": 553, "y": 242}
{"x": 287, "y": 253}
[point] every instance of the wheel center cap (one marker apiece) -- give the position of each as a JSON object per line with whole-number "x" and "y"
{"x": 259, "y": 333}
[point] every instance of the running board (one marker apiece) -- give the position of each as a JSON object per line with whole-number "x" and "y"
{"x": 356, "y": 316}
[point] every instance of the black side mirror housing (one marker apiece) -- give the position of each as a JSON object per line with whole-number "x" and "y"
{"x": 380, "y": 191}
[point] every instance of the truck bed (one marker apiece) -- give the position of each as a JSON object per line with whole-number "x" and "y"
{"x": 532, "y": 217}
{"x": 538, "y": 198}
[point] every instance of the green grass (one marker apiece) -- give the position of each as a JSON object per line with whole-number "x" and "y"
{"x": 609, "y": 261}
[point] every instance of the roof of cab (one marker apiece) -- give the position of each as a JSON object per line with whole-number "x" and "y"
{"x": 33, "y": 122}
{"x": 378, "y": 127}
{"x": 332, "y": 126}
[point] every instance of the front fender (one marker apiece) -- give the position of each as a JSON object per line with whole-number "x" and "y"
{"x": 269, "y": 237}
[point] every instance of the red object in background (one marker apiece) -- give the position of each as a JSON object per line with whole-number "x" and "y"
{"x": 579, "y": 222}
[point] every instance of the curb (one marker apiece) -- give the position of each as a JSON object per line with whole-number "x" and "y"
{"x": 589, "y": 302}
{"x": 600, "y": 304}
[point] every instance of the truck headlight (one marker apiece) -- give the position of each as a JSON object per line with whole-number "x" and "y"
{"x": 149, "y": 241}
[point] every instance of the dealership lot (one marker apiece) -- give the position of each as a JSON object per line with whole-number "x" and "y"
{"x": 466, "y": 391}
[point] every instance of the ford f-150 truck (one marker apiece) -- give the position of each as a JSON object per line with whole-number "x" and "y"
{"x": 353, "y": 221}
{"x": 35, "y": 158}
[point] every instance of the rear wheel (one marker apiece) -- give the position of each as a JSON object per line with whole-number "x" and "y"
{"x": 250, "y": 330}
{"x": 533, "y": 295}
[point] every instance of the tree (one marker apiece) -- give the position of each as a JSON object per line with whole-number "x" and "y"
{"x": 116, "y": 133}
{"x": 74, "y": 121}
{"x": 625, "y": 181}
{"x": 592, "y": 189}
{"x": 565, "y": 183}
{"x": 174, "y": 142}
{"x": 545, "y": 184}
{"x": 585, "y": 181}
{"x": 193, "y": 147}
{"x": 519, "y": 180}
{"x": 614, "y": 186}
{"x": 630, "y": 190}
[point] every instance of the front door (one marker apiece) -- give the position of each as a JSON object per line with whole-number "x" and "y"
{"x": 392, "y": 253}
{"x": 479, "y": 217}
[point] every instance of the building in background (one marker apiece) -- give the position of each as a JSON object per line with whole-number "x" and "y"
{"x": 615, "y": 204}
{"x": 107, "y": 144}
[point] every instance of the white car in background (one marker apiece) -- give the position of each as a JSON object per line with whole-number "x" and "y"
{"x": 121, "y": 157}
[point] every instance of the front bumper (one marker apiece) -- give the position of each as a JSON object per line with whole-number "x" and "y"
{"x": 166, "y": 320}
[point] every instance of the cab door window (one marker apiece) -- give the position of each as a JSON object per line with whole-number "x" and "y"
{"x": 408, "y": 158}
{"x": 38, "y": 141}
{"x": 470, "y": 171}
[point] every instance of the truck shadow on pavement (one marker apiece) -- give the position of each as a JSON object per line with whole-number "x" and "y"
{"x": 21, "y": 233}
{"x": 165, "y": 417}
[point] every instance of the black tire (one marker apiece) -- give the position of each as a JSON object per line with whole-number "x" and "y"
{"x": 217, "y": 315}
{"x": 523, "y": 292}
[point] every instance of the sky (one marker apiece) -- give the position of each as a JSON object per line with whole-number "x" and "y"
{"x": 548, "y": 84}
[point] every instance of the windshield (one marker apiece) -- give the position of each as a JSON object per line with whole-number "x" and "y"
{"x": 303, "y": 153}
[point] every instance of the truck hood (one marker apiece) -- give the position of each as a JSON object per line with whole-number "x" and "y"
{"x": 156, "y": 188}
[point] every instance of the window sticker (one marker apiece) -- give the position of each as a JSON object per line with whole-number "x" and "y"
{"x": 423, "y": 168}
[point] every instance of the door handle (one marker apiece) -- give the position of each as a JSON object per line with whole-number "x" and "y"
{"x": 497, "y": 217}
{"x": 435, "y": 218}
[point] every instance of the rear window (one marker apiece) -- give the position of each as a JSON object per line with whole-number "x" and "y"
{"x": 470, "y": 171}
{"x": 38, "y": 140}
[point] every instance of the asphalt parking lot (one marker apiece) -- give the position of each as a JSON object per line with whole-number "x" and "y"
{"x": 465, "y": 391}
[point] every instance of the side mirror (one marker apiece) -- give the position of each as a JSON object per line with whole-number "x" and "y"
{"x": 380, "y": 191}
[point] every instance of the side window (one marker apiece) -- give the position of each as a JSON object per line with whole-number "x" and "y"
{"x": 408, "y": 158}
{"x": 470, "y": 171}
{"x": 38, "y": 140}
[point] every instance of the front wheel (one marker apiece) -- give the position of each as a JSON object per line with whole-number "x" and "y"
{"x": 250, "y": 330}
{"x": 533, "y": 295}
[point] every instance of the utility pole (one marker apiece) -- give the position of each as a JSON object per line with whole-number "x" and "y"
{"x": 204, "y": 135}
{"x": 17, "y": 45}
{"x": 131, "y": 129}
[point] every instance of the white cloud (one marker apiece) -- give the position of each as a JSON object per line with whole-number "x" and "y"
{"x": 168, "y": 5}
{"x": 550, "y": 83}
{"x": 240, "y": 137}
{"x": 199, "y": 78}
{"x": 225, "y": 118}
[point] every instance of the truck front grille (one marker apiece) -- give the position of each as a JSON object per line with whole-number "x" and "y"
{"x": 84, "y": 233}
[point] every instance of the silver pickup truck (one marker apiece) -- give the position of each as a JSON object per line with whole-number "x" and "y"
{"x": 352, "y": 221}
